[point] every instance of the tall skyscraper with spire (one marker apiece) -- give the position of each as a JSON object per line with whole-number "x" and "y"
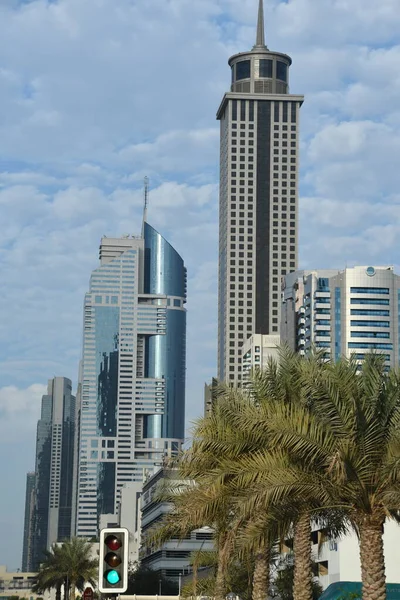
{"x": 259, "y": 122}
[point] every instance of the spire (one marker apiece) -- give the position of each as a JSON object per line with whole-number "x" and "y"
{"x": 260, "y": 41}
{"x": 145, "y": 202}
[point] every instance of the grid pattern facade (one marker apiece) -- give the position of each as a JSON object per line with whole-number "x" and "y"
{"x": 258, "y": 202}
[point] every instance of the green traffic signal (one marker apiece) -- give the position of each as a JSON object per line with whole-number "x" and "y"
{"x": 112, "y": 577}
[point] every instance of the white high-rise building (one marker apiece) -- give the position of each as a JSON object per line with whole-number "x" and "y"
{"x": 348, "y": 312}
{"x": 259, "y": 167}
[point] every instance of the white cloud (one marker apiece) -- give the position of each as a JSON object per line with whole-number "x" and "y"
{"x": 19, "y": 410}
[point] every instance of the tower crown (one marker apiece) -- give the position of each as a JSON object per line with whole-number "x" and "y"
{"x": 260, "y": 71}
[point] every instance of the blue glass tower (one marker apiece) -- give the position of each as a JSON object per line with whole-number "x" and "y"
{"x": 132, "y": 388}
{"x": 165, "y": 274}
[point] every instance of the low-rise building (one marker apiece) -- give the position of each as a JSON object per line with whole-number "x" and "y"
{"x": 172, "y": 559}
{"x": 339, "y": 559}
{"x": 16, "y": 584}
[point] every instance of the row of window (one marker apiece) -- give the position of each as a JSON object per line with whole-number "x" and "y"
{"x": 369, "y": 323}
{"x": 370, "y": 346}
{"x": 243, "y": 70}
{"x": 368, "y": 290}
{"x": 359, "y": 356}
{"x": 370, "y": 312}
{"x": 379, "y": 301}
{"x": 370, "y": 334}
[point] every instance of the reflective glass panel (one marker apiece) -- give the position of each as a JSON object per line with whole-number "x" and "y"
{"x": 281, "y": 70}
{"x": 265, "y": 68}
{"x": 243, "y": 70}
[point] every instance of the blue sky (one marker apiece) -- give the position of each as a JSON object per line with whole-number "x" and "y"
{"x": 95, "y": 95}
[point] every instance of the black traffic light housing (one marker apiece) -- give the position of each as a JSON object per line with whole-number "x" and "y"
{"x": 113, "y": 565}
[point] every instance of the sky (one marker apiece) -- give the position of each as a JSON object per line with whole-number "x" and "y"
{"x": 96, "y": 94}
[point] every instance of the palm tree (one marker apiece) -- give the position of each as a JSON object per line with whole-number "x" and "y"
{"x": 69, "y": 564}
{"x": 278, "y": 391}
{"x": 48, "y": 576}
{"x": 194, "y": 507}
{"x": 220, "y": 440}
{"x": 342, "y": 451}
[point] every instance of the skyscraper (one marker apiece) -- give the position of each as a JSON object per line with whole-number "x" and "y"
{"x": 54, "y": 468}
{"x": 132, "y": 388}
{"x": 259, "y": 123}
{"x": 28, "y": 523}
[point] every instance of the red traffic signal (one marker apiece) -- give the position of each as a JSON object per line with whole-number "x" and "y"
{"x": 113, "y": 566}
{"x": 113, "y": 542}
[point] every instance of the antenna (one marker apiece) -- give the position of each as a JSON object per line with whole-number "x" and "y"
{"x": 145, "y": 201}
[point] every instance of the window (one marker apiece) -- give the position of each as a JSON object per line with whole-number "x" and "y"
{"x": 369, "y": 312}
{"x": 243, "y": 70}
{"x": 234, "y": 110}
{"x": 265, "y": 68}
{"x": 370, "y": 334}
{"x": 380, "y": 301}
{"x": 323, "y": 284}
{"x": 369, "y": 324}
{"x": 368, "y": 290}
{"x": 370, "y": 346}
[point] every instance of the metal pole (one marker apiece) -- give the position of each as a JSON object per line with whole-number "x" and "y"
{"x": 180, "y": 584}
{"x": 159, "y": 587}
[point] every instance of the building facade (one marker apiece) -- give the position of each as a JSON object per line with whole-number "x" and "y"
{"x": 339, "y": 559}
{"x": 28, "y": 522}
{"x": 132, "y": 398}
{"x": 256, "y": 352}
{"x": 349, "y": 312}
{"x": 259, "y": 123}
{"x": 306, "y": 310}
{"x": 172, "y": 559}
{"x": 52, "y": 509}
{"x": 17, "y": 584}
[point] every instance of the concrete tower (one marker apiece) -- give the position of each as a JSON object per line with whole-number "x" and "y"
{"x": 258, "y": 198}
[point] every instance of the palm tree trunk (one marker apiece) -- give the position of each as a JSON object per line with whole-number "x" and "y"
{"x": 195, "y": 579}
{"x": 372, "y": 557}
{"x": 302, "y": 584}
{"x": 58, "y": 591}
{"x": 220, "y": 580}
{"x": 261, "y": 575}
{"x": 72, "y": 591}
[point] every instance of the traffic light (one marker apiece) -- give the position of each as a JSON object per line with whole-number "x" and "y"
{"x": 113, "y": 567}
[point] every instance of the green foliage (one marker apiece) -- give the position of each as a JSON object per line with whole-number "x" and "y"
{"x": 282, "y": 587}
{"x": 69, "y": 565}
{"x": 307, "y": 440}
{"x": 145, "y": 582}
